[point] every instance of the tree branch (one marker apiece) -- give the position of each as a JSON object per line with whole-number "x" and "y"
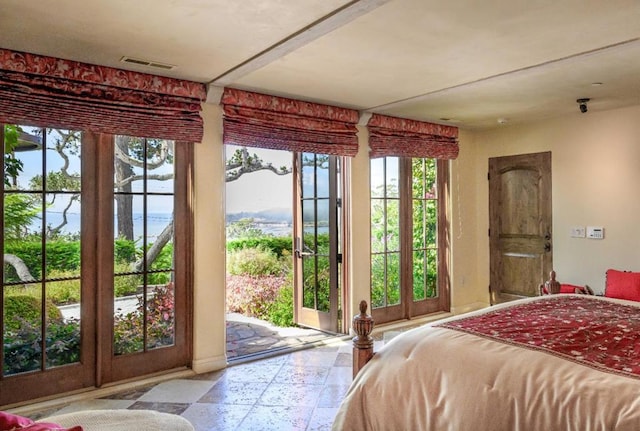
{"x": 21, "y": 269}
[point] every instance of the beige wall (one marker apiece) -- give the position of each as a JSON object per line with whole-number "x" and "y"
{"x": 595, "y": 172}
{"x": 209, "y": 332}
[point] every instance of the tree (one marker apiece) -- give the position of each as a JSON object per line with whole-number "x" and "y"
{"x": 241, "y": 163}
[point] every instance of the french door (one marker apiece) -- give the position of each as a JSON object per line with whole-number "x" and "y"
{"x": 317, "y": 241}
{"x": 409, "y": 231}
{"x": 93, "y": 292}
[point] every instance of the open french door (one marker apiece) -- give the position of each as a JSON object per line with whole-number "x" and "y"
{"x": 317, "y": 241}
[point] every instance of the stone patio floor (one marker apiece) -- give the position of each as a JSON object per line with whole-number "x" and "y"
{"x": 248, "y": 337}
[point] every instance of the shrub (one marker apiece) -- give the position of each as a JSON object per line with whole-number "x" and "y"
{"x": 22, "y": 346}
{"x": 254, "y": 262}
{"x": 252, "y": 296}
{"x": 280, "y": 311}
{"x": 124, "y": 250}
{"x": 19, "y": 309}
{"x": 279, "y": 245}
{"x": 128, "y": 330}
{"x": 64, "y": 291}
{"x": 125, "y": 285}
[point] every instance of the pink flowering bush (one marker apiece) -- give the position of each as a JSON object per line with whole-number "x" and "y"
{"x": 252, "y": 295}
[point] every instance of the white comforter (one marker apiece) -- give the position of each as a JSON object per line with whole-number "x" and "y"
{"x": 439, "y": 379}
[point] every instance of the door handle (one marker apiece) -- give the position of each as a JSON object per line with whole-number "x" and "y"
{"x": 547, "y": 246}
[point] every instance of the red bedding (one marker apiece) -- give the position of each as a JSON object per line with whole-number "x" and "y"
{"x": 559, "y": 362}
{"x": 598, "y": 334}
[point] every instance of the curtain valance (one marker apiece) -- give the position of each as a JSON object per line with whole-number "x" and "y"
{"x": 259, "y": 120}
{"x": 51, "y": 92}
{"x": 392, "y": 136}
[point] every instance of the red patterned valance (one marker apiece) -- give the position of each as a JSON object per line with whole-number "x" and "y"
{"x": 259, "y": 120}
{"x": 392, "y": 136}
{"x": 45, "y": 91}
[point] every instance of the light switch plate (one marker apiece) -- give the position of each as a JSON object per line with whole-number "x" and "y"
{"x": 595, "y": 232}
{"x": 578, "y": 232}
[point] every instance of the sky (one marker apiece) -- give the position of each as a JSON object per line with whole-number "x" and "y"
{"x": 263, "y": 189}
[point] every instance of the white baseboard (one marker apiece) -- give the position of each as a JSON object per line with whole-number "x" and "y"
{"x": 207, "y": 365}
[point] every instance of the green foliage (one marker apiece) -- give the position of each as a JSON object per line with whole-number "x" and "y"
{"x": 62, "y": 256}
{"x": 164, "y": 261}
{"x": 254, "y": 262}
{"x": 27, "y": 308}
{"x": 280, "y": 245}
{"x": 12, "y": 166}
{"x": 124, "y": 250}
{"x": 280, "y": 311}
{"x": 125, "y": 285}
{"x": 20, "y": 210}
{"x": 22, "y": 346}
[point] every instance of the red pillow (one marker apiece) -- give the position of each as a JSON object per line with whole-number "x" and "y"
{"x": 11, "y": 422}
{"x": 622, "y": 285}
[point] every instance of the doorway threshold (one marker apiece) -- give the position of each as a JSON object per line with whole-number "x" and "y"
{"x": 249, "y": 339}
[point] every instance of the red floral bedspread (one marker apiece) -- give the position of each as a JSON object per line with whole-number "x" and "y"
{"x": 600, "y": 334}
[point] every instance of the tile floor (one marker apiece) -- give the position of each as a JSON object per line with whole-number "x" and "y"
{"x": 295, "y": 390}
{"x": 300, "y": 390}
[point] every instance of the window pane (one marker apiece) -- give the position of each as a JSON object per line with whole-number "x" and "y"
{"x": 22, "y": 336}
{"x": 418, "y": 214}
{"x": 308, "y": 175}
{"x": 432, "y": 273}
{"x": 63, "y": 323}
{"x": 128, "y": 326}
{"x": 63, "y": 160}
{"x": 393, "y": 225}
{"x": 160, "y": 166}
{"x": 322, "y": 293}
{"x": 393, "y": 175}
{"x": 377, "y": 281}
{"x": 161, "y": 313}
{"x": 432, "y": 224}
{"x": 378, "y": 226}
{"x": 128, "y": 165}
{"x": 160, "y": 231}
{"x": 393, "y": 279}
{"x": 23, "y": 171}
{"x": 377, "y": 178}
{"x": 419, "y": 292}
{"x": 309, "y": 281}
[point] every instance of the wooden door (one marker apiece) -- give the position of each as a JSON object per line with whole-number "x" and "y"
{"x": 520, "y": 225}
{"x": 317, "y": 253}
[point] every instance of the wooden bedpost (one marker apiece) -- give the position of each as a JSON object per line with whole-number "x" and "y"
{"x": 362, "y": 343}
{"x": 551, "y": 286}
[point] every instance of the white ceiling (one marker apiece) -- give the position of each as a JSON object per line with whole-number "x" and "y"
{"x": 448, "y": 61}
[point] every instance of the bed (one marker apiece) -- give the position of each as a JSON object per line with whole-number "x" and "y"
{"x": 554, "y": 362}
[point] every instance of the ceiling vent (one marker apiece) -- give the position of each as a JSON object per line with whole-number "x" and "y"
{"x": 147, "y": 63}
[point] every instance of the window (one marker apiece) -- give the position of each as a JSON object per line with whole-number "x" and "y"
{"x": 92, "y": 292}
{"x": 408, "y": 250}
{"x": 143, "y": 249}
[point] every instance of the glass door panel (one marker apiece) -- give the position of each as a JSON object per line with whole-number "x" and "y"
{"x": 316, "y": 232}
{"x": 41, "y": 298}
